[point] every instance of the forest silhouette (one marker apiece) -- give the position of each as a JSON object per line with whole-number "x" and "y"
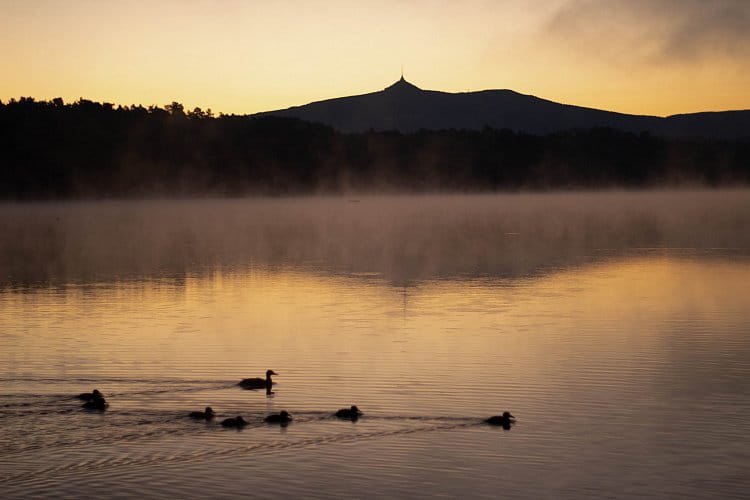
{"x": 53, "y": 150}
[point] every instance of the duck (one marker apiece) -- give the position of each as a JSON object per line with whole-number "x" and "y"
{"x": 237, "y": 421}
{"x": 506, "y": 419}
{"x": 208, "y": 414}
{"x": 352, "y": 413}
{"x": 282, "y": 418}
{"x": 257, "y": 382}
{"x": 88, "y": 396}
{"x": 96, "y": 403}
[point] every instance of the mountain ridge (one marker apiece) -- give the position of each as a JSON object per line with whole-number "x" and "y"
{"x": 404, "y": 107}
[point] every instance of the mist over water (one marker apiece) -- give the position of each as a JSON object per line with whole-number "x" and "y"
{"x": 613, "y": 325}
{"x": 402, "y": 238}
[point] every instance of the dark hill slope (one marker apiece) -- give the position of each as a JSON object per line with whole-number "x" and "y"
{"x": 407, "y": 108}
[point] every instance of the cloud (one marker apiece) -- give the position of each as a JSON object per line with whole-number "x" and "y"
{"x": 653, "y": 31}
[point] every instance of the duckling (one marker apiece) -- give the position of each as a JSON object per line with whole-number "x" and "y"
{"x": 237, "y": 421}
{"x": 352, "y": 413}
{"x": 203, "y": 415}
{"x": 258, "y": 383}
{"x": 506, "y": 419}
{"x": 282, "y": 418}
{"x": 88, "y": 396}
{"x": 98, "y": 403}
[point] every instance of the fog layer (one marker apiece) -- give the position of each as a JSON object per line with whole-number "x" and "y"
{"x": 400, "y": 238}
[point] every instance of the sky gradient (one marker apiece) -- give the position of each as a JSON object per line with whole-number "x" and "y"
{"x": 636, "y": 56}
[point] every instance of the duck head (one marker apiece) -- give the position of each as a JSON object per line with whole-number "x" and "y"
{"x": 284, "y": 414}
{"x": 507, "y": 415}
{"x": 269, "y": 373}
{"x": 355, "y": 410}
{"x": 209, "y": 411}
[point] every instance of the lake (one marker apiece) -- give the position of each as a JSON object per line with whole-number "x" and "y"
{"x": 615, "y": 326}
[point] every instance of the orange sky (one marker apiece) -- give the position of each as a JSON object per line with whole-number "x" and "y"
{"x": 637, "y": 56}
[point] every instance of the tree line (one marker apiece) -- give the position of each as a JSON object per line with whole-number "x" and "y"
{"x": 50, "y": 149}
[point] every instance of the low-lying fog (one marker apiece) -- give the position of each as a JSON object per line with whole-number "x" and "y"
{"x": 403, "y": 238}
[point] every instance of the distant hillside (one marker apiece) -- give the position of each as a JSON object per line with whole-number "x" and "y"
{"x": 407, "y": 108}
{"x": 50, "y": 149}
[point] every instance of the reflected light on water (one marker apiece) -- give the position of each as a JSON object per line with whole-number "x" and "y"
{"x": 626, "y": 369}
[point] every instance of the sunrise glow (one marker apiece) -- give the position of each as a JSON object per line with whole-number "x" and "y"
{"x": 243, "y": 57}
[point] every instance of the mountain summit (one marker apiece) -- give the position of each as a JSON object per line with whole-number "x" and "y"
{"x": 402, "y": 86}
{"x": 404, "y": 107}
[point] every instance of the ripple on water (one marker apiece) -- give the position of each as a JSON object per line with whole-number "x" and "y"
{"x": 627, "y": 372}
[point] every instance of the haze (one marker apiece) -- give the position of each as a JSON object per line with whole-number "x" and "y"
{"x": 401, "y": 239}
{"x": 642, "y": 56}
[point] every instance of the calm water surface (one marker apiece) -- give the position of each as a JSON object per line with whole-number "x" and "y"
{"x": 615, "y": 326}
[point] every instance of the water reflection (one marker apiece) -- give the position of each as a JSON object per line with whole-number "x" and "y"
{"x": 400, "y": 239}
{"x": 580, "y": 355}
{"x": 611, "y": 356}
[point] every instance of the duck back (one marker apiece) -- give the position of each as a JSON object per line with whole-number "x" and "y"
{"x": 252, "y": 383}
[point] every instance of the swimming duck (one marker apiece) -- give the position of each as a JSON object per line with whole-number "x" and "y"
{"x": 203, "y": 415}
{"x": 505, "y": 419}
{"x": 257, "y": 382}
{"x": 352, "y": 413}
{"x": 237, "y": 421}
{"x": 88, "y": 396}
{"x": 282, "y": 418}
{"x": 96, "y": 403}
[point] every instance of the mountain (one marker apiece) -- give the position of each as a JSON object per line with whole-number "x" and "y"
{"x": 407, "y": 108}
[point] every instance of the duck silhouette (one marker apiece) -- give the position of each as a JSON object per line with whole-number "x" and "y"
{"x": 352, "y": 413}
{"x": 88, "y": 396}
{"x": 281, "y": 418}
{"x": 96, "y": 403}
{"x": 208, "y": 414}
{"x": 505, "y": 420}
{"x": 237, "y": 421}
{"x": 258, "y": 383}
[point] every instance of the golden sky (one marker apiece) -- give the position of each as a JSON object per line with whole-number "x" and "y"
{"x": 240, "y": 56}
